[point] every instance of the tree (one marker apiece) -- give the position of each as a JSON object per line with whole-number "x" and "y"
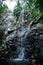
{"x": 39, "y": 4}
{"x": 17, "y": 9}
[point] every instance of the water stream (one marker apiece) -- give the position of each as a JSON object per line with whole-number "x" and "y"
{"x": 22, "y": 33}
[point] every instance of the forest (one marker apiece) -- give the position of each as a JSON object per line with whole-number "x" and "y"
{"x": 21, "y": 32}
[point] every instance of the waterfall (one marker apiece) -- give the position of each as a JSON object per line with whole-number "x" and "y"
{"x": 21, "y": 54}
{"x": 21, "y": 18}
{"x": 21, "y": 49}
{"x": 21, "y": 34}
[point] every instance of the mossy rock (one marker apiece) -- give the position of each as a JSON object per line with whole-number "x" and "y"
{"x": 2, "y": 34}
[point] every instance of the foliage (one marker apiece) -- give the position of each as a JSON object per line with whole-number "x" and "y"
{"x": 17, "y": 9}
{"x": 30, "y": 6}
{"x": 3, "y": 10}
{"x": 39, "y": 3}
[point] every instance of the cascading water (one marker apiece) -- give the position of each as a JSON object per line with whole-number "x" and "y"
{"x": 21, "y": 34}
{"x": 21, "y": 48}
{"x": 21, "y": 18}
{"x": 21, "y": 54}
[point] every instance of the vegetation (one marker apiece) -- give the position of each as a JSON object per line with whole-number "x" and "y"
{"x": 17, "y": 9}
{"x": 20, "y": 30}
{"x": 32, "y": 6}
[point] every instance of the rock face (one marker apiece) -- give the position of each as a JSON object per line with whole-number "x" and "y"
{"x": 23, "y": 46}
{"x": 32, "y": 44}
